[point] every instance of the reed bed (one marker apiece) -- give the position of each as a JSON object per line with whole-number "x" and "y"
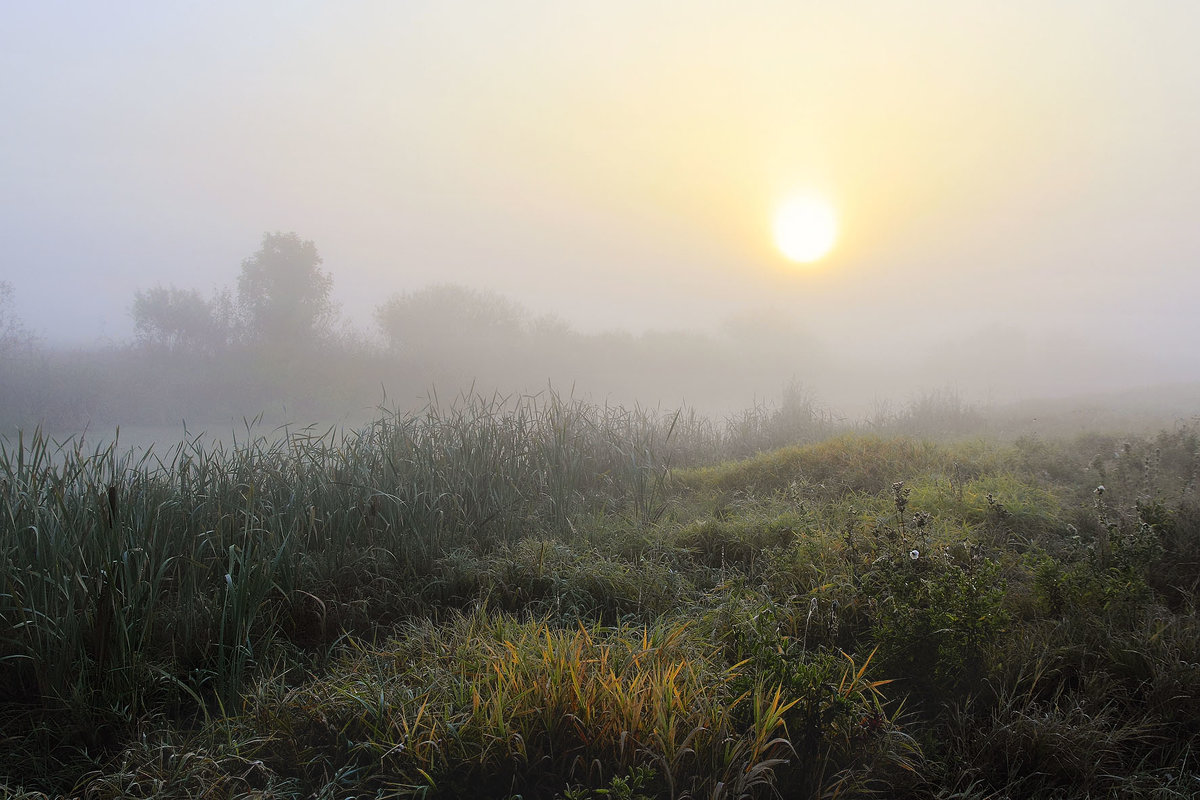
{"x": 112, "y": 561}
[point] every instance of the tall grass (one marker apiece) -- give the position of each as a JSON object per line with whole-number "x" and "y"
{"x": 535, "y": 586}
{"x": 111, "y": 561}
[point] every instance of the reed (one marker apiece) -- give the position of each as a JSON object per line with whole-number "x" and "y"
{"x": 113, "y": 560}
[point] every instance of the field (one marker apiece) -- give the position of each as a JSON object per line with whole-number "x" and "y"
{"x": 542, "y": 598}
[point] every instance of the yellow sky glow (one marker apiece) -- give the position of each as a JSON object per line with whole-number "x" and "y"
{"x": 562, "y": 153}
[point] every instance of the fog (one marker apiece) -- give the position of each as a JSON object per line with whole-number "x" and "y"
{"x": 309, "y": 211}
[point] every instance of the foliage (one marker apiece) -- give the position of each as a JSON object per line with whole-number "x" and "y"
{"x": 503, "y": 705}
{"x": 13, "y": 333}
{"x": 19, "y": 353}
{"x": 503, "y": 597}
{"x": 449, "y": 317}
{"x": 283, "y": 294}
{"x": 830, "y": 468}
{"x": 936, "y": 619}
{"x": 181, "y": 321}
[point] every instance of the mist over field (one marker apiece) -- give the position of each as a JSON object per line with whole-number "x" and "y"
{"x": 552, "y": 196}
{"x": 275, "y": 346}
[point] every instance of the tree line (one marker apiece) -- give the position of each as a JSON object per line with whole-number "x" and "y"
{"x": 275, "y": 342}
{"x": 283, "y": 303}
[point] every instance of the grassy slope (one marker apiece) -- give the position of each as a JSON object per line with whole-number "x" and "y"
{"x": 492, "y": 602}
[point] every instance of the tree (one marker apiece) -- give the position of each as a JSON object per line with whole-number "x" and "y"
{"x": 450, "y": 318}
{"x": 181, "y": 320}
{"x": 13, "y": 334}
{"x": 283, "y": 296}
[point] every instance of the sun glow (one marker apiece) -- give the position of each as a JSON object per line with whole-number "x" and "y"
{"x": 805, "y": 229}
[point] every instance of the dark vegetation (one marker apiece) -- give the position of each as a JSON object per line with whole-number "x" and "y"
{"x": 546, "y": 598}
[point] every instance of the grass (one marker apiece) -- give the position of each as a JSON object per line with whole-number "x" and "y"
{"x": 537, "y": 597}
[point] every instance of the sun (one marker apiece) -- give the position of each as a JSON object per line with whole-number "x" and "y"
{"x": 805, "y": 229}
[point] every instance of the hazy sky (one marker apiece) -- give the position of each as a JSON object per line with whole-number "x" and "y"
{"x": 1025, "y": 168}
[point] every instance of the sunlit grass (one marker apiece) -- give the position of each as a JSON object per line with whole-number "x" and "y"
{"x": 485, "y": 701}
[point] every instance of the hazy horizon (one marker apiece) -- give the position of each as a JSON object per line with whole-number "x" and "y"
{"x": 1014, "y": 185}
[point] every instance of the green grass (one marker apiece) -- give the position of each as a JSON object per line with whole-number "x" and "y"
{"x": 543, "y": 598}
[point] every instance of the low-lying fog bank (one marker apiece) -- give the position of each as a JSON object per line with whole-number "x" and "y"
{"x": 276, "y": 351}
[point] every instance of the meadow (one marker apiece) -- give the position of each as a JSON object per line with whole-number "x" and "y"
{"x": 539, "y": 597}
